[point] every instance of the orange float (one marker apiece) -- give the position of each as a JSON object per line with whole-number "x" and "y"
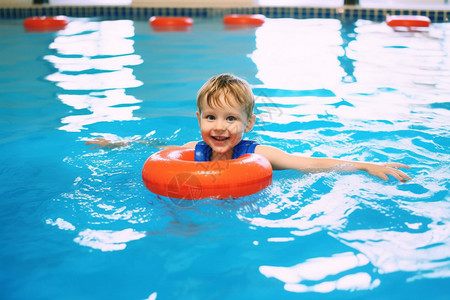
{"x": 235, "y": 19}
{"x": 408, "y": 21}
{"x": 174, "y": 173}
{"x": 45, "y": 23}
{"x": 171, "y": 21}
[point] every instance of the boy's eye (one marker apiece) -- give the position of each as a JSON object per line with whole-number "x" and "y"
{"x": 210, "y": 117}
{"x": 231, "y": 118}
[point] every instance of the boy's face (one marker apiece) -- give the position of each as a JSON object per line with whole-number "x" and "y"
{"x": 222, "y": 128}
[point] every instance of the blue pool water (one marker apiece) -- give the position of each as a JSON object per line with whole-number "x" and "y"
{"x": 77, "y": 223}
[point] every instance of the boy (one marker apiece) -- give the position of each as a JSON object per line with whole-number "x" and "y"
{"x": 225, "y": 112}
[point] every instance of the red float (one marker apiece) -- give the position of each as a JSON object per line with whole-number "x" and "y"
{"x": 174, "y": 173}
{"x": 45, "y": 23}
{"x": 408, "y": 21}
{"x": 173, "y": 22}
{"x": 235, "y": 19}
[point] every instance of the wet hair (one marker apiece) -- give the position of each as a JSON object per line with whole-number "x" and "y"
{"x": 234, "y": 90}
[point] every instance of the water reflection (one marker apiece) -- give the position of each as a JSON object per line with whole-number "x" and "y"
{"x": 93, "y": 60}
{"x": 95, "y": 38}
{"x": 104, "y": 240}
{"x": 418, "y": 60}
{"x": 83, "y": 63}
{"x": 299, "y": 54}
{"x": 102, "y": 107}
{"x": 303, "y": 277}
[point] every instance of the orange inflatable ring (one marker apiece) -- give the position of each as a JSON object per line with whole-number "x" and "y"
{"x": 174, "y": 173}
{"x": 408, "y": 21}
{"x": 45, "y": 23}
{"x": 244, "y": 19}
{"x": 171, "y": 21}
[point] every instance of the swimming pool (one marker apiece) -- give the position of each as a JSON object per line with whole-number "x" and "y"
{"x": 78, "y": 223}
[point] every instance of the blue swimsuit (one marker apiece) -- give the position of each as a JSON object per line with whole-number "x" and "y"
{"x": 203, "y": 151}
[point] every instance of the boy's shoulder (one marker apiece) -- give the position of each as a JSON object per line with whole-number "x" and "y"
{"x": 190, "y": 145}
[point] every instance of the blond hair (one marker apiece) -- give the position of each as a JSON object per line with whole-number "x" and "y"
{"x": 232, "y": 88}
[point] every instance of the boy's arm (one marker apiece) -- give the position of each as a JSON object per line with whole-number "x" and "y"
{"x": 105, "y": 143}
{"x": 281, "y": 160}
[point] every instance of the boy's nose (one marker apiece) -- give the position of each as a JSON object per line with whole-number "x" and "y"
{"x": 220, "y": 125}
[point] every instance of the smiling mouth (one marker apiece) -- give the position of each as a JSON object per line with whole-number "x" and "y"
{"x": 219, "y": 139}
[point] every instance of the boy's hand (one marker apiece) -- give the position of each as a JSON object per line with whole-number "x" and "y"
{"x": 382, "y": 171}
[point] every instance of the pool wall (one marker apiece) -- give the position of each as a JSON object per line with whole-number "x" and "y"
{"x": 143, "y": 13}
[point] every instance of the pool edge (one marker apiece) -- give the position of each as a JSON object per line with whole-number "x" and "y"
{"x": 144, "y": 13}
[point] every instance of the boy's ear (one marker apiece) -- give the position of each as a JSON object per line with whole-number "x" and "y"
{"x": 199, "y": 119}
{"x": 250, "y": 123}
